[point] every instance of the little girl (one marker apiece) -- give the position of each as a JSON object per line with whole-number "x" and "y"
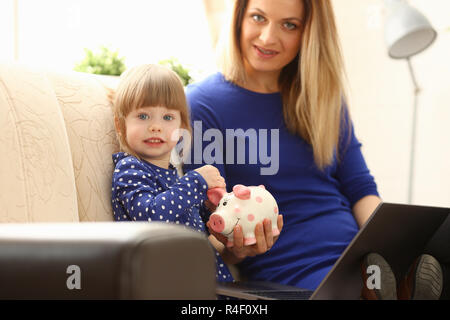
{"x": 150, "y": 108}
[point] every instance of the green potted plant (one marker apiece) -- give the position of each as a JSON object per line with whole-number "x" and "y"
{"x": 105, "y": 62}
{"x": 176, "y": 66}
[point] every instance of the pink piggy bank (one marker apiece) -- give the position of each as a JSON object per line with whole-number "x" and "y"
{"x": 245, "y": 206}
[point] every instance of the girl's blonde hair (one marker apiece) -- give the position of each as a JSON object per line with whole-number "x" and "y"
{"x": 148, "y": 85}
{"x": 311, "y": 85}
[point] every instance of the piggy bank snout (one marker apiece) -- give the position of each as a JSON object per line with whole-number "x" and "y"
{"x": 217, "y": 223}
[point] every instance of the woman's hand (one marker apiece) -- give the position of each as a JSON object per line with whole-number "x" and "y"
{"x": 264, "y": 241}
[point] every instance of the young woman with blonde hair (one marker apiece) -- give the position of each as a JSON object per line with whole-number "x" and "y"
{"x": 282, "y": 72}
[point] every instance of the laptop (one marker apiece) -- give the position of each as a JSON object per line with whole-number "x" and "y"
{"x": 398, "y": 232}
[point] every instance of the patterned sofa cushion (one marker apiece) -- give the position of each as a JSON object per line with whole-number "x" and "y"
{"x": 89, "y": 123}
{"x": 37, "y": 179}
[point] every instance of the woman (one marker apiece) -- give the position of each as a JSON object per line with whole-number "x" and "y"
{"x": 282, "y": 74}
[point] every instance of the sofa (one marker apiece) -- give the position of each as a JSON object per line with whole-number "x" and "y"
{"x": 56, "y": 224}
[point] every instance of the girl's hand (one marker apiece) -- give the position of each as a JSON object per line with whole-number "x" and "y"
{"x": 212, "y": 176}
{"x": 264, "y": 241}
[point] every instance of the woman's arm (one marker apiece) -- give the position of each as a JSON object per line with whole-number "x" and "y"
{"x": 357, "y": 184}
{"x": 364, "y": 208}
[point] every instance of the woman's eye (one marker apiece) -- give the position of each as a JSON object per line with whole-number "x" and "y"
{"x": 290, "y": 26}
{"x": 142, "y": 116}
{"x": 257, "y": 18}
{"x": 168, "y": 117}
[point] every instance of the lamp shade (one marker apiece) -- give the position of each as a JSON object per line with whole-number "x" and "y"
{"x": 407, "y": 32}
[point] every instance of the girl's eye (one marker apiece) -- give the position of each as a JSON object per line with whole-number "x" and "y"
{"x": 168, "y": 117}
{"x": 290, "y": 26}
{"x": 257, "y": 18}
{"x": 142, "y": 116}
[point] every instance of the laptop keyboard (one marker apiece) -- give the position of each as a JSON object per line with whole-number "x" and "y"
{"x": 283, "y": 295}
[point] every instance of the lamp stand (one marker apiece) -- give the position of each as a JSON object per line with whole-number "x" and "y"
{"x": 413, "y": 135}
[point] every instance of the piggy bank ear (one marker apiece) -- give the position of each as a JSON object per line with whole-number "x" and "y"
{"x": 262, "y": 186}
{"x": 215, "y": 195}
{"x": 241, "y": 192}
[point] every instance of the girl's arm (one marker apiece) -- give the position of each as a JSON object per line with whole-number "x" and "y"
{"x": 139, "y": 193}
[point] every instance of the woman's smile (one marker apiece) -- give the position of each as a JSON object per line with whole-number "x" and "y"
{"x": 265, "y": 53}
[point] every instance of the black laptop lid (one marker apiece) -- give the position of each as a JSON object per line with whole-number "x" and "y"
{"x": 398, "y": 232}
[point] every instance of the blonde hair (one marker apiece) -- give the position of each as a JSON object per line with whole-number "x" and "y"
{"x": 148, "y": 85}
{"x": 311, "y": 85}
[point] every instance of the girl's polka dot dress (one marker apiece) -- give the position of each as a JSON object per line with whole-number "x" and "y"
{"x": 142, "y": 191}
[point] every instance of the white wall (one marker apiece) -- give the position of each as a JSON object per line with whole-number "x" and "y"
{"x": 381, "y": 100}
{"x": 53, "y": 33}
{"x": 6, "y": 30}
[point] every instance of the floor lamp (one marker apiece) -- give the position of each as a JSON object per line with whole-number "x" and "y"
{"x": 407, "y": 32}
